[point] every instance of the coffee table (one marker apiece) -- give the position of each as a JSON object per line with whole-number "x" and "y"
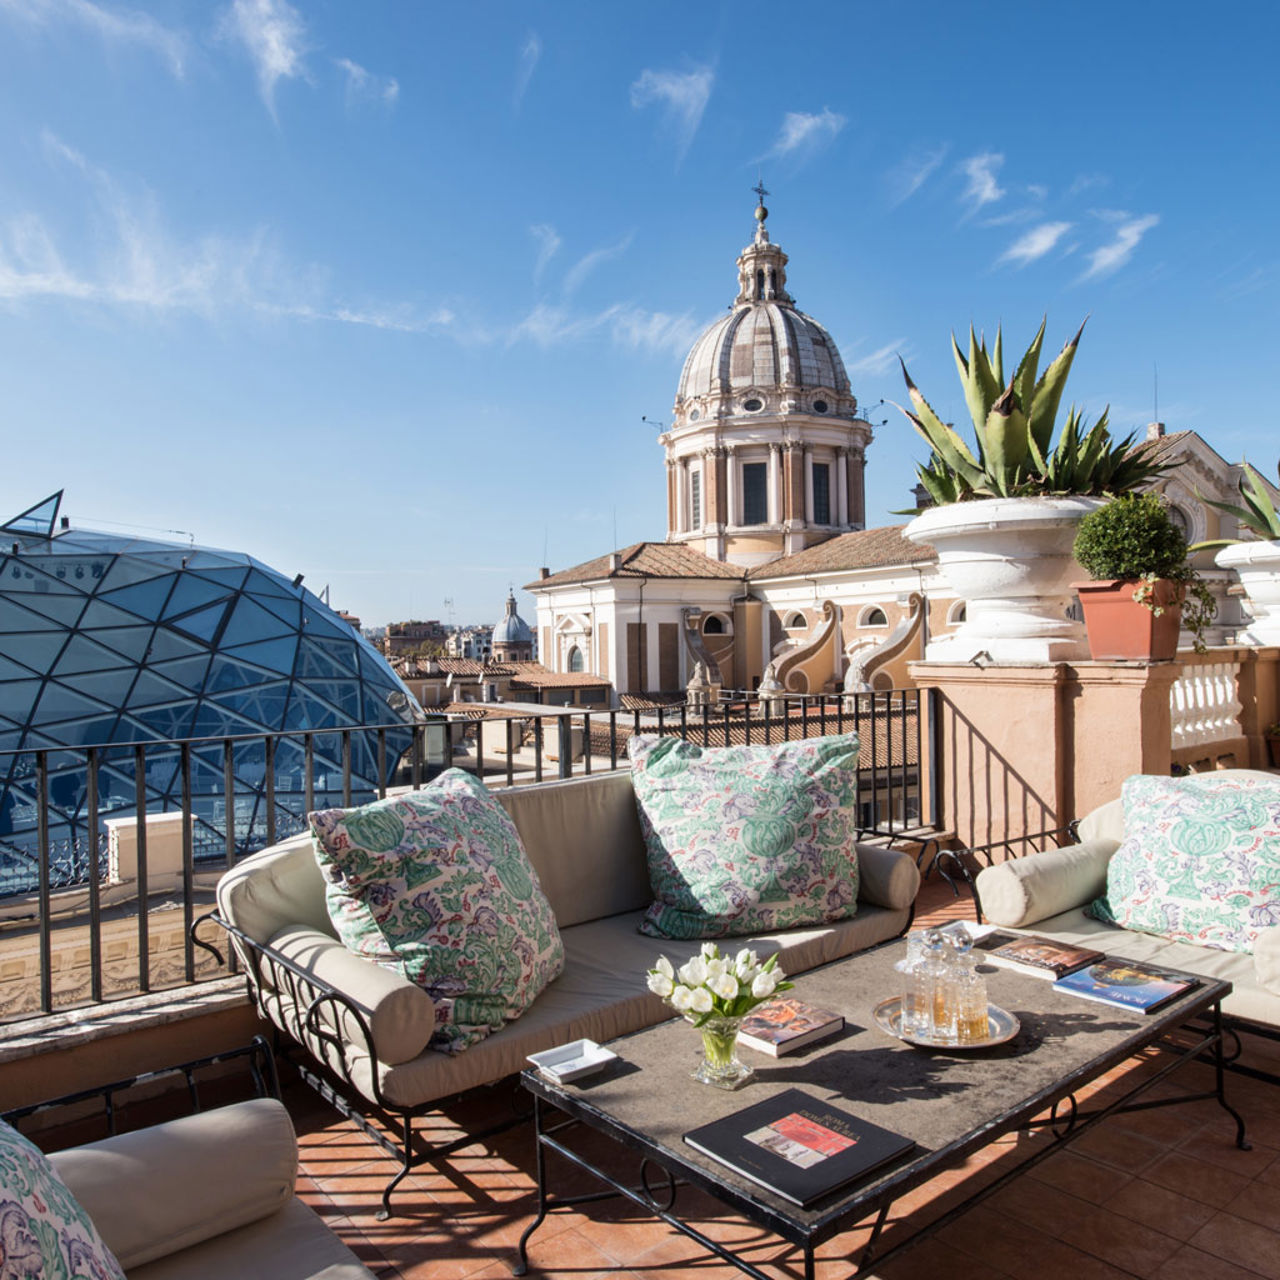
{"x": 951, "y": 1102}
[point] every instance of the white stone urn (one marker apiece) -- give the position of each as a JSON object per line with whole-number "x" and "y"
{"x": 1258, "y": 567}
{"x": 1010, "y": 560}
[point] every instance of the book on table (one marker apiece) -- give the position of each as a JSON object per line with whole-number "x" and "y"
{"x": 1039, "y": 957}
{"x": 784, "y": 1024}
{"x": 1127, "y": 984}
{"x": 798, "y": 1146}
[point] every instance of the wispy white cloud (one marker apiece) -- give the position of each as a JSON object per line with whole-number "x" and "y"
{"x": 115, "y": 26}
{"x": 682, "y": 97}
{"x": 274, "y": 36}
{"x": 626, "y": 325}
{"x": 1035, "y": 243}
{"x": 1037, "y": 191}
{"x": 133, "y": 262}
{"x": 1085, "y": 181}
{"x": 1113, "y": 255}
{"x": 804, "y": 134}
{"x": 589, "y": 262}
{"x": 882, "y": 359}
{"x": 980, "y": 174}
{"x": 911, "y": 173}
{"x": 548, "y": 243}
{"x": 530, "y": 53}
{"x": 364, "y": 85}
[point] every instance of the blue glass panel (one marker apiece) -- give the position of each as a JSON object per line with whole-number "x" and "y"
{"x": 110, "y": 687}
{"x": 38, "y": 520}
{"x": 125, "y": 571}
{"x": 310, "y": 712}
{"x": 129, "y": 642}
{"x": 250, "y": 622}
{"x": 279, "y": 655}
{"x": 145, "y": 599}
{"x": 100, "y": 613}
{"x": 82, "y": 654}
{"x": 167, "y": 644}
{"x": 229, "y": 673}
{"x": 207, "y": 558}
{"x": 270, "y": 584}
{"x": 203, "y": 625}
{"x": 344, "y": 694}
{"x": 37, "y": 650}
{"x": 165, "y": 722}
{"x": 230, "y": 579}
{"x": 326, "y": 658}
{"x": 190, "y": 593}
{"x": 63, "y": 611}
{"x": 190, "y": 673}
{"x": 14, "y": 617}
{"x": 266, "y": 704}
{"x": 10, "y": 670}
{"x": 217, "y": 720}
{"x": 150, "y": 690}
{"x": 38, "y": 577}
{"x": 88, "y": 733}
{"x": 317, "y": 624}
{"x": 57, "y": 702}
{"x": 288, "y": 611}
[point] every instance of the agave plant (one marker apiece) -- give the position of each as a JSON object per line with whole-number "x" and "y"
{"x": 1014, "y": 427}
{"x": 1258, "y": 514}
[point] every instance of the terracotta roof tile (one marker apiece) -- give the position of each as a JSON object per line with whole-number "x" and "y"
{"x": 864, "y": 549}
{"x": 644, "y": 560}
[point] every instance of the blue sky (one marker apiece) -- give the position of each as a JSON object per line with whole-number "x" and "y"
{"x": 381, "y": 292}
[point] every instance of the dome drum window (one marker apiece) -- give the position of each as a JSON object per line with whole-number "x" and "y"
{"x": 821, "y": 406}
{"x": 753, "y": 404}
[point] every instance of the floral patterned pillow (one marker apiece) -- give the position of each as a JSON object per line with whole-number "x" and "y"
{"x": 436, "y": 885}
{"x": 747, "y": 839}
{"x": 1200, "y": 861}
{"x": 43, "y": 1229}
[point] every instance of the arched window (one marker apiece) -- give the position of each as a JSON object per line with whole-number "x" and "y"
{"x": 795, "y": 621}
{"x": 713, "y": 626}
{"x": 575, "y": 662}
{"x": 874, "y": 617}
{"x": 956, "y": 614}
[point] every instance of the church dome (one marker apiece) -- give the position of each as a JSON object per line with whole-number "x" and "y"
{"x": 513, "y": 629}
{"x": 765, "y": 355}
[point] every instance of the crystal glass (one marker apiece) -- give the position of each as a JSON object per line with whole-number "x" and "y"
{"x": 933, "y": 988}
{"x": 913, "y": 1011}
{"x": 720, "y": 1066}
{"x": 970, "y": 987}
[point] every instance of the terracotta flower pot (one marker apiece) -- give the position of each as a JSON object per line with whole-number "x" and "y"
{"x": 1120, "y": 627}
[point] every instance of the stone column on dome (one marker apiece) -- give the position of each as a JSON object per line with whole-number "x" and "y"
{"x": 808, "y": 484}
{"x": 682, "y": 495}
{"x": 857, "y": 492}
{"x": 717, "y": 497}
{"x": 672, "y": 508}
{"x": 793, "y": 479}
{"x": 842, "y": 486}
{"x": 775, "y": 483}
{"x": 732, "y": 515}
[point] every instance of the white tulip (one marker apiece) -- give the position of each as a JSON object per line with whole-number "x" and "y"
{"x": 710, "y": 951}
{"x": 764, "y": 985}
{"x": 664, "y": 967}
{"x": 682, "y": 999}
{"x": 745, "y": 960}
{"x": 660, "y": 984}
{"x": 694, "y": 973}
{"x": 700, "y": 1001}
{"x": 716, "y": 968}
{"x": 725, "y": 985}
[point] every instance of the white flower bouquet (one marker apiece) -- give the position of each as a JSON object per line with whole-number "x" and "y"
{"x": 712, "y": 985}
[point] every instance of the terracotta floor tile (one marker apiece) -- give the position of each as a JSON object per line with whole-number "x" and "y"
{"x": 1217, "y": 1148}
{"x": 1180, "y": 1171}
{"x": 1160, "y": 1208}
{"x": 1248, "y": 1245}
{"x": 1077, "y": 1174}
{"x": 1125, "y": 1150}
{"x": 1193, "y": 1264}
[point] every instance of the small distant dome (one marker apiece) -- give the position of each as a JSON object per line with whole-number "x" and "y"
{"x": 513, "y": 629}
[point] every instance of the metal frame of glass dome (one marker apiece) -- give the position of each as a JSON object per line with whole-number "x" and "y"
{"x": 109, "y": 643}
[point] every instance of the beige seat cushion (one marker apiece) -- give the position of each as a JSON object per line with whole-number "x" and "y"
{"x": 278, "y": 887}
{"x": 602, "y": 994}
{"x": 1266, "y": 959}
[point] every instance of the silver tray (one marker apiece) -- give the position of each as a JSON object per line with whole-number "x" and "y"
{"x": 1001, "y": 1026}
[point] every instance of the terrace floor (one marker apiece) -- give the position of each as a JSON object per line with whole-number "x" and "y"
{"x": 1161, "y": 1194}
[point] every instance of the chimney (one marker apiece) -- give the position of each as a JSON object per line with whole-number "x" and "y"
{"x": 615, "y": 561}
{"x": 544, "y": 572}
{"x": 1155, "y": 430}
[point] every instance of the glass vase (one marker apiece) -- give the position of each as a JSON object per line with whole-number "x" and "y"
{"x": 720, "y": 1066}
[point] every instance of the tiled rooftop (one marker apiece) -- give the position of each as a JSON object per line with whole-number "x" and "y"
{"x": 643, "y": 560}
{"x": 1162, "y": 1194}
{"x": 864, "y": 549}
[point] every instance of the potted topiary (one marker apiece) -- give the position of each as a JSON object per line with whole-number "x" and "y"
{"x": 1005, "y": 516}
{"x": 1138, "y": 599}
{"x": 1257, "y": 560}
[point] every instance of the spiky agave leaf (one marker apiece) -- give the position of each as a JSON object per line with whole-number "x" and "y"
{"x": 997, "y": 358}
{"x": 942, "y": 439}
{"x": 1005, "y": 438}
{"x": 981, "y": 390}
{"x": 1043, "y": 408}
{"x": 1024, "y": 380}
{"x": 1254, "y": 492}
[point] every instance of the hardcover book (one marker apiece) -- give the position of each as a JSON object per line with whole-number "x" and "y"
{"x": 784, "y": 1024}
{"x": 1127, "y": 984}
{"x": 797, "y": 1146}
{"x": 1040, "y": 957}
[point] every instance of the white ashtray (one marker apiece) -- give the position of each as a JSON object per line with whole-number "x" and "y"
{"x": 572, "y": 1061}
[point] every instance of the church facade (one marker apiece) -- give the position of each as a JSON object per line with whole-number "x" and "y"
{"x": 767, "y": 570}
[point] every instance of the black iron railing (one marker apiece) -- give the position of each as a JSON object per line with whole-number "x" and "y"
{"x": 58, "y": 879}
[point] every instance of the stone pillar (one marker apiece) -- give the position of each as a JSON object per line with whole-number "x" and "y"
{"x": 842, "y": 487}
{"x": 1027, "y": 748}
{"x": 775, "y": 484}
{"x": 682, "y": 495}
{"x": 672, "y": 501}
{"x": 857, "y": 488}
{"x": 808, "y": 484}
{"x": 732, "y": 515}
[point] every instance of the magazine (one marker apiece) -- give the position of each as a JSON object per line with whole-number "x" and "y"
{"x": 1039, "y": 957}
{"x": 784, "y": 1024}
{"x": 797, "y": 1146}
{"x": 1127, "y": 984}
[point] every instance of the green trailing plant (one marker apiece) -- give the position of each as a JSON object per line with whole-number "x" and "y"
{"x": 1257, "y": 512}
{"x": 1132, "y": 538}
{"x": 1013, "y": 425}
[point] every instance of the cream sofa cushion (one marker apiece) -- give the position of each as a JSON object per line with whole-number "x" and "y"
{"x": 160, "y": 1190}
{"x": 280, "y": 886}
{"x": 1021, "y": 891}
{"x": 1266, "y": 959}
{"x": 886, "y": 878}
{"x": 400, "y": 1014}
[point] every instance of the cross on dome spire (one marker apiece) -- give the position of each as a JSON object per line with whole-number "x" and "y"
{"x": 762, "y": 268}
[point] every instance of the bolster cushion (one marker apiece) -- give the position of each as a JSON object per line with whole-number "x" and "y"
{"x": 1266, "y": 958}
{"x": 400, "y": 1015}
{"x": 158, "y": 1190}
{"x": 886, "y": 877}
{"x": 1023, "y": 890}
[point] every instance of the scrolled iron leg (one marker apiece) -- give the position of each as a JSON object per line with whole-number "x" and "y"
{"x": 385, "y": 1212}
{"x": 1219, "y": 1068}
{"x": 521, "y": 1265}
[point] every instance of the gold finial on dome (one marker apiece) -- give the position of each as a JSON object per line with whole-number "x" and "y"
{"x": 761, "y": 212}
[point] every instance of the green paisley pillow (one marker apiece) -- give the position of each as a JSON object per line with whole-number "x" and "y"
{"x": 746, "y": 840}
{"x": 43, "y": 1229}
{"x": 436, "y": 885}
{"x": 1200, "y": 861}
